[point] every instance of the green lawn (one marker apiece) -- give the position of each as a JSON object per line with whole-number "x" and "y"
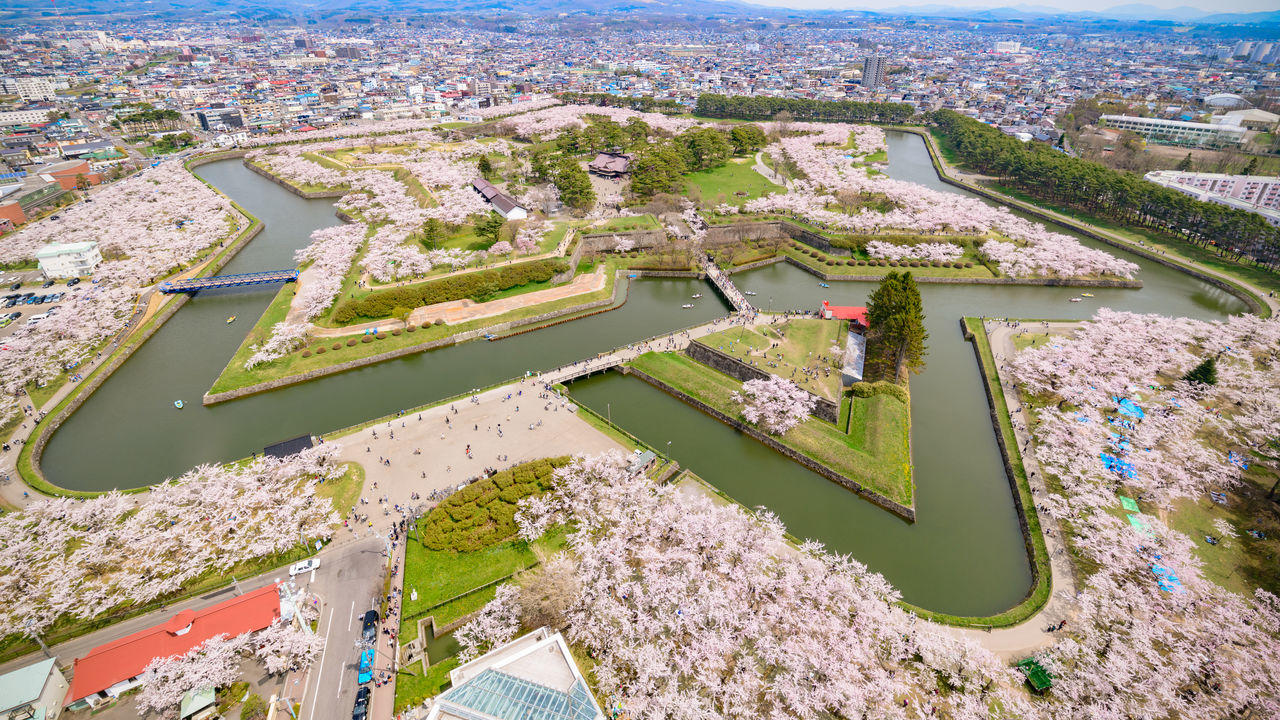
{"x": 734, "y": 183}
{"x": 343, "y": 491}
{"x": 1022, "y": 341}
{"x": 802, "y": 344}
{"x": 412, "y": 687}
{"x": 622, "y": 224}
{"x": 876, "y": 453}
{"x": 837, "y": 265}
{"x": 234, "y": 375}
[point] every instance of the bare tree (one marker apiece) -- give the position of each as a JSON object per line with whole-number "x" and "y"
{"x": 548, "y": 592}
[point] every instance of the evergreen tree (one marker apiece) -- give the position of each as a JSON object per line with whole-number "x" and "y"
{"x": 747, "y": 138}
{"x": 485, "y": 166}
{"x": 658, "y": 169}
{"x": 490, "y": 226}
{"x": 574, "y": 185}
{"x": 705, "y": 148}
{"x": 432, "y": 234}
{"x": 1184, "y": 165}
{"x": 1251, "y": 168}
{"x": 1206, "y": 373}
{"x": 896, "y": 314}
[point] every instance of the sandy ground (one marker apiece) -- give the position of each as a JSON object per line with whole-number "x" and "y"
{"x": 442, "y": 460}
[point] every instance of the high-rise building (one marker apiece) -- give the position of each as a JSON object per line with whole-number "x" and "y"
{"x": 348, "y": 52}
{"x": 1008, "y": 46}
{"x": 303, "y": 42}
{"x": 1261, "y": 51}
{"x": 873, "y": 71}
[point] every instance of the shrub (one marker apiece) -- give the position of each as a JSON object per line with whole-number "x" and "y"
{"x": 411, "y": 328}
{"x": 366, "y": 339}
{"x": 968, "y": 264}
{"x": 439, "y": 321}
{"x": 254, "y": 707}
{"x": 893, "y": 263}
{"x": 397, "y": 332}
{"x": 321, "y": 350}
{"x": 352, "y": 342}
{"x": 338, "y": 346}
{"x": 478, "y": 286}
{"x": 483, "y": 513}
{"x": 884, "y": 387}
{"x": 862, "y": 389}
{"x": 306, "y": 353}
{"x": 381, "y": 336}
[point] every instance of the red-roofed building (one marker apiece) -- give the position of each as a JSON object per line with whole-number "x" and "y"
{"x": 111, "y": 669}
{"x": 855, "y": 315}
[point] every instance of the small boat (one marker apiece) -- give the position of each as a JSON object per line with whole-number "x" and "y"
{"x": 687, "y": 306}
{"x": 697, "y": 295}
{"x": 1076, "y": 300}
{"x": 1086, "y": 294}
{"x": 750, "y": 292}
{"x": 177, "y": 404}
{"x": 823, "y": 285}
{"x": 231, "y": 319}
{"x": 490, "y": 336}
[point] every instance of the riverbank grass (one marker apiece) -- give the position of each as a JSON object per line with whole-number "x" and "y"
{"x": 876, "y": 454}
{"x": 798, "y": 350}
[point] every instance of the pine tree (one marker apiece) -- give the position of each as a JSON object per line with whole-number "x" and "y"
{"x": 896, "y": 314}
{"x": 1206, "y": 373}
{"x": 1251, "y": 168}
{"x": 1184, "y": 165}
{"x": 484, "y": 166}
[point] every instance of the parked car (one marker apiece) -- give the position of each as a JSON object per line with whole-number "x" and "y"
{"x": 361, "y": 709}
{"x": 36, "y": 318}
{"x": 366, "y": 666}
{"x": 15, "y": 286}
{"x": 5, "y": 321}
{"x": 369, "y": 628}
{"x": 305, "y": 566}
{"x": 47, "y": 283}
{"x": 73, "y": 282}
{"x": 15, "y": 315}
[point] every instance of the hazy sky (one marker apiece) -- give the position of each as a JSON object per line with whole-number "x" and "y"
{"x": 1213, "y": 6}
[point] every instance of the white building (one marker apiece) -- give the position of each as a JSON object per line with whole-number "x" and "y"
{"x": 530, "y": 678}
{"x": 31, "y": 88}
{"x": 25, "y": 116}
{"x": 34, "y": 692}
{"x": 68, "y": 260}
{"x": 1176, "y": 132}
{"x": 1254, "y": 193}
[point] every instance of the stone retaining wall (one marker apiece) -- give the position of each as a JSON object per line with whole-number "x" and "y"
{"x": 754, "y": 265}
{"x": 574, "y": 258}
{"x": 902, "y": 511}
{"x": 1245, "y": 296}
{"x": 598, "y": 242}
{"x": 690, "y": 274}
{"x": 735, "y": 368}
{"x": 269, "y": 385}
{"x": 1005, "y": 460}
{"x": 312, "y": 195}
{"x": 1042, "y": 282}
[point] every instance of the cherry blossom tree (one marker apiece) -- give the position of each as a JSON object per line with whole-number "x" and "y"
{"x": 214, "y": 663}
{"x": 495, "y": 624}
{"x": 284, "y": 645}
{"x": 775, "y": 404}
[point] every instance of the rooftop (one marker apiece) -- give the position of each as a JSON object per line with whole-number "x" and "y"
{"x": 24, "y": 685}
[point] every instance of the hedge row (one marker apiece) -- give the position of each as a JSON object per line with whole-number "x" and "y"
{"x": 483, "y": 513}
{"x": 879, "y": 387}
{"x": 479, "y": 286}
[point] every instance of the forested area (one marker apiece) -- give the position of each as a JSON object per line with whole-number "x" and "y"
{"x": 639, "y": 104}
{"x": 1054, "y": 177}
{"x": 744, "y": 107}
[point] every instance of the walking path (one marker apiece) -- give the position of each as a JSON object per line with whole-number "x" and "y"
{"x": 460, "y": 311}
{"x": 768, "y": 172}
{"x": 1031, "y": 634}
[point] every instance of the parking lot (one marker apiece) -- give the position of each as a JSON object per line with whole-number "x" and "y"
{"x": 30, "y": 284}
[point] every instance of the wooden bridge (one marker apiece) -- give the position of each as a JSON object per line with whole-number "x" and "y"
{"x": 229, "y": 281}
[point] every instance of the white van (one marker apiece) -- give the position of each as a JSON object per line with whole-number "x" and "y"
{"x": 36, "y": 318}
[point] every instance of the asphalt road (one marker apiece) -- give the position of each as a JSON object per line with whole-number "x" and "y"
{"x": 349, "y": 581}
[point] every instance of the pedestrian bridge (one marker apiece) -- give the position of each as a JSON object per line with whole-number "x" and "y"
{"x": 229, "y": 281}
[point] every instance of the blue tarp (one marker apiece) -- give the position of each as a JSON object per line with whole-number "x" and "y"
{"x": 1128, "y": 408}
{"x": 1238, "y": 460}
{"x": 1165, "y": 578}
{"x": 1119, "y": 442}
{"x": 1115, "y": 464}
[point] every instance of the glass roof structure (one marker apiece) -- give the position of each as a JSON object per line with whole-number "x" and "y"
{"x": 495, "y": 694}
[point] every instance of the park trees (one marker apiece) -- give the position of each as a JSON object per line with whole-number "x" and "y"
{"x": 704, "y": 148}
{"x": 658, "y": 169}
{"x": 896, "y": 314}
{"x": 573, "y": 184}
{"x": 775, "y": 404}
{"x": 747, "y": 138}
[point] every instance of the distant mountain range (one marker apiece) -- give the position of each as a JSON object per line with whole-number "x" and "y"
{"x": 17, "y": 10}
{"x": 1130, "y": 12}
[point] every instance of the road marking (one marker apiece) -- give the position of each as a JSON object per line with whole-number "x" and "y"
{"x": 351, "y": 615}
{"x": 313, "y": 575}
{"x": 320, "y": 668}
